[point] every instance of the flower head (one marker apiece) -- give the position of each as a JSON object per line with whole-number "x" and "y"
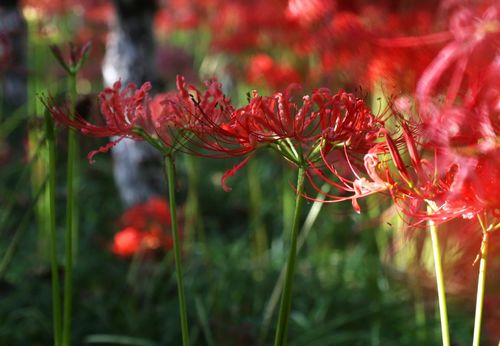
{"x": 146, "y": 228}
{"x": 77, "y": 56}
{"x": 126, "y": 242}
{"x": 126, "y": 112}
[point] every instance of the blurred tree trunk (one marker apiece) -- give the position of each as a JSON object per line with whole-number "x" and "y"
{"x": 13, "y": 40}
{"x": 130, "y": 57}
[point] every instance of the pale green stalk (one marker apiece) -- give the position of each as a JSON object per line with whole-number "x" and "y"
{"x": 70, "y": 221}
{"x": 56, "y": 294}
{"x": 170, "y": 172}
{"x": 443, "y": 314}
{"x": 286, "y": 297}
{"x": 304, "y": 232}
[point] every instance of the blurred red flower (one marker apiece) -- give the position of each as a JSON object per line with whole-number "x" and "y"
{"x": 264, "y": 71}
{"x": 5, "y": 52}
{"x": 126, "y": 242}
{"x": 146, "y": 228}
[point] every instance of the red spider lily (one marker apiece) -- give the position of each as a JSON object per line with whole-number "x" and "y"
{"x": 143, "y": 216}
{"x": 126, "y": 242}
{"x": 307, "y": 12}
{"x": 195, "y": 115}
{"x": 356, "y": 187}
{"x": 466, "y": 72}
{"x": 146, "y": 228}
{"x": 296, "y": 130}
{"x": 264, "y": 71}
{"x": 125, "y": 113}
{"x": 458, "y": 98}
{"x": 77, "y": 56}
{"x": 425, "y": 184}
{"x": 242, "y": 25}
{"x": 349, "y": 125}
{"x": 304, "y": 132}
{"x": 333, "y": 119}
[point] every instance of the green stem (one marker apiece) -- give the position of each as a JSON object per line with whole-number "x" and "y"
{"x": 70, "y": 222}
{"x": 273, "y": 301}
{"x": 56, "y": 294}
{"x": 286, "y": 297}
{"x": 36, "y": 82}
{"x": 480, "y": 289}
{"x": 170, "y": 171}
{"x": 440, "y": 284}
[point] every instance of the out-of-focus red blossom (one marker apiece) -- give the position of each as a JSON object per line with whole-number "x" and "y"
{"x": 5, "y": 53}
{"x": 146, "y": 228}
{"x": 172, "y": 61}
{"x": 357, "y": 38}
{"x": 458, "y": 98}
{"x": 457, "y": 175}
{"x": 98, "y": 11}
{"x": 344, "y": 38}
{"x": 59, "y": 7}
{"x": 241, "y": 25}
{"x": 126, "y": 242}
{"x": 155, "y": 212}
{"x": 180, "y": 15}
{"x": 75, "y": 57}
{"x": 466, "y": 72}
{"x": 5, "y": 152}
{"x": 309, "y": 11}
{"x": 264, "y": 71}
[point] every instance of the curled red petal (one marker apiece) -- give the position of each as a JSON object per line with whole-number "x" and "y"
{"x": 103, "y": 149}
{"x": 231, "y": 172}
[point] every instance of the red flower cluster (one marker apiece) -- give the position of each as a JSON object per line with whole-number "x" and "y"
{"x": 321, "y": 121}
{"x": 206, "y": 123}
{"x": 458, "y": 97}
{"x": 128, "y": 112}
{"x": 264, "y": 71}
{"x": 444, "y": 163}
{"x": 145, "y": 229}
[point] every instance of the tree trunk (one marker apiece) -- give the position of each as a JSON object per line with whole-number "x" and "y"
{"x": 130, "y": 57}
{"x": 13, "y": 43}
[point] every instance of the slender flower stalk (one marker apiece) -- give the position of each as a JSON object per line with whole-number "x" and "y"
{"x": 170, "y": 173}
{"x": 286, "y": 297}
{"x": 71, "y": 205}
{"x": 72, "y": 65}
{"x": 56, "y": 293}
{"x": 480, "y": 285}
{"x": 128, "y": 112}
{"x": 443, "y": 313}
